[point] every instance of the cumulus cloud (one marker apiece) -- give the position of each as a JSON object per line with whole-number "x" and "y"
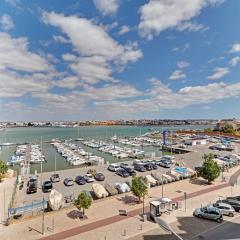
{"x": 235, "y": 48}
{"x": 60, "y": 39}
{"x": 177, "y": 74}
{"x": 159, "y": 15}
{"x": 97, "y": 55}
{"x": 183, "y": 64}
{"x": 218, "y": 73}
{"x": 234, "y": 61}
{"x": 14, "y": 54}
{"x": 6, "y": 22}
{"x": 107, "y": 7}
{"x": 124, "y": 29}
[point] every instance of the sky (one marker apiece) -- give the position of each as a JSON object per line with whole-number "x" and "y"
{"x": 119, "y": 59}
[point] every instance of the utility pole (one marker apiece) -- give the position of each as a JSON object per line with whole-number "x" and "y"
{"x": 43, "y": 207}
{"x": 162, "y": 186}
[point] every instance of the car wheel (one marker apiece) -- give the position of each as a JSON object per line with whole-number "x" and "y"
{"x": 231, "y": 215}
{"x": 219, "y": 220}
{"x": 199, "y": 216}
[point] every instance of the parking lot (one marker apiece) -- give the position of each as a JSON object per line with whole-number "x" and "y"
{"x": 191, "y": 160}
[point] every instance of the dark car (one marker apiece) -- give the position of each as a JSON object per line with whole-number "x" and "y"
{"x": 150, "y": 166}
{"x": 129, "y": 169}
{"x": 32, "y": 187}
{"x": 47, "y": 186}
{"x": 32, "y": 179}
{"x": 55, "y": 178}
{"x": 122, "y": 172}
{"x": 140, "y": 167}
{"x": 165, "y": 163}
{"x": 99, "y": 177}
{"x": 80, "y": 180}
{"x": 236, "y": 198}
{"x": 233, "y": 202}
{"x": 68, "y": 182}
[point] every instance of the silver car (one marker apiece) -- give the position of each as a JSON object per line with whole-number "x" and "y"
{"x": 225, "y": 209}
{"x": 209, "y": 212}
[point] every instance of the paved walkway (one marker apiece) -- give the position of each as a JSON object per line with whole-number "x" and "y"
{"x": 103, "y": 222}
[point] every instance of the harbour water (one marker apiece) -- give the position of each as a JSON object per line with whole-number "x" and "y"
{"x": 33, "y": 135}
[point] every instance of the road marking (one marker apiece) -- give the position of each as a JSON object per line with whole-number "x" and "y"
{"x": 215, "y": 227}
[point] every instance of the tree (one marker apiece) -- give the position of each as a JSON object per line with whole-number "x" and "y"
{"x": 208, "y": 130}
{"x": 3, "y": 169}
{"x": 83, "y": 202}
{"x": 210, "y": 169}
{"x": 139, "y": 188}
{"x": 228, "y": 128}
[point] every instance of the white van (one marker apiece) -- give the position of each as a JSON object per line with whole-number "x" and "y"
{"x": 113, "y": 167}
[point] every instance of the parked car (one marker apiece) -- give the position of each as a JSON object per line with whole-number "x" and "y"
{"x": 47, "y": 186}
{"x": 225, "y": 209}
{"x": 99, "y": 177}
{"x": 68, "y": 182}
{"x": 236, "y": 198}
{"x": 165, "y": 163}
{"x": 55, "y": 178}
{"x": 210, "y": 213}
{"x": 139, "y": 167}
{"x": 32, "y": 179}
{"x": 150, "y": 166}
{"x": 122, "y": 172}
{"x": 113, "y": 167}
{"x": 233, "y": 202}
{"x": 32, "y": 187}
{"x": 129, "y": 169}
{"x": 88, "y": 178}
{"x": 80, "y": 180}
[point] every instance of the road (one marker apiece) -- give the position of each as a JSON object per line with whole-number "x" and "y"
{"x": 227, "y": 230}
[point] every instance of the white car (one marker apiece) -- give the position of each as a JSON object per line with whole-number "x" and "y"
{"x": 225, "y": 209}
{"x": 88, "y": 178}
{"x": 113, "y": 167}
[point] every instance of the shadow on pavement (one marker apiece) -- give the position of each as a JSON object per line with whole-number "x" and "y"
{"x": 195, "y": 229}
{"x": 74, "y": 214}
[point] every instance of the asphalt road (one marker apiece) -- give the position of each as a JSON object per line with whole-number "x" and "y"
{"x": 227, "y": 230}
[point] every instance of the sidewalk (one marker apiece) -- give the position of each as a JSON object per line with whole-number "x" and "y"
{"x": 103, "y": 215}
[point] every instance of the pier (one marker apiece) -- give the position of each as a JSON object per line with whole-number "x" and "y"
{"x": 25, "y": 170}
{"x": 176, "y": 150}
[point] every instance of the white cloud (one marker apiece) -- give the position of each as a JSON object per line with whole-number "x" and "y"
{"x": 234, "y": 61}
{"x": 97, "y": 52}
{"x": 60, "y": 39}
{"x": 235, "y": 48}
{"x": 177, "y": 74}
{"x": 14, "y": 54}
{"x": 159, "y": 15}
{"x": 6, "y": 22}
{"x": 183, "y": 64}
{"x": 124, "y": 29}
{"x": 107, "y": 7}
{"x": 191, "y": 27}
{"x": 219, "y": 72}
{"x": 14, "y": 85}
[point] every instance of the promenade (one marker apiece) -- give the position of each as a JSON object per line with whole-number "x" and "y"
{"x": 103, "y": 221}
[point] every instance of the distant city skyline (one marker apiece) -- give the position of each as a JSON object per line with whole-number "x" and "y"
{"x": 114, "y": 59}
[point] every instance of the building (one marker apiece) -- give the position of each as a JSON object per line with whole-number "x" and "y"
{"x": 196, "y": 141}
{"x": 222, "y": 123}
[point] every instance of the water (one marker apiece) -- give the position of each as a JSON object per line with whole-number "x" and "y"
{"x": 33, "y": 135}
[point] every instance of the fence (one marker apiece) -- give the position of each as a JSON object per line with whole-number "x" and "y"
{"x": 14, "y": 192}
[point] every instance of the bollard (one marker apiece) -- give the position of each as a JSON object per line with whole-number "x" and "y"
{"x": 140, "y": 228}
{"x": 124, "y": 232}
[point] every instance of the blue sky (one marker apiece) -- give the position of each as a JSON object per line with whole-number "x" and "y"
{"x": 119, "y": 59}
